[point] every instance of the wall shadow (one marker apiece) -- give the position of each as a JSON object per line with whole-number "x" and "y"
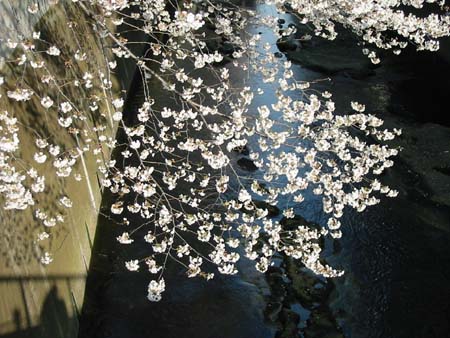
{"x": 55, "y": 320}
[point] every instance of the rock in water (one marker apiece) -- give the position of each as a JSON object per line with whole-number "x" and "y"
{"x": 272, "y": 311}
{"x": 296, "y": 221}
{"x": 273, "y": 210}
{"x": 278, "y": 54}
{"x": 287, "y": 44}
{"x": 242, "y": 150}
{"x": 247, "y": 164}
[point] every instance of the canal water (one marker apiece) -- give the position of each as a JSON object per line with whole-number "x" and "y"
{"x": 396, "y": 255}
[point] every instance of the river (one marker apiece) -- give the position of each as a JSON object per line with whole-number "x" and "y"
{"x": 396, "y": 255}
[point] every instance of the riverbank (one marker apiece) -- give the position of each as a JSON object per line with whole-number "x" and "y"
{"x": 38, "y": 300}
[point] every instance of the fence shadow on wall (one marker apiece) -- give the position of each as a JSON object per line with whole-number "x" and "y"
{"x": 54, "y": 320}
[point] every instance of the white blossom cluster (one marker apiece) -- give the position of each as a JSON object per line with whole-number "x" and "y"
{"x": 32, "y": 167}
{"x": 15, "y": 193}
{"x": 387, "y": 24}
{"x": 176, "y": 185}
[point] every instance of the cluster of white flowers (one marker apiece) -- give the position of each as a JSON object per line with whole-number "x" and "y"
{"x": 380, "y": 23}
{"x": 28, "y": 173}
{"x": 16, "y": 194}
{"x": 113, "y": 5}
{"x": 176, "y": 181}
{"x": 184, "y": 182}
{"x": 155, "y": 289}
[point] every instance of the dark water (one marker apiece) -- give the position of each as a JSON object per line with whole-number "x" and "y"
{"x": 116, "y": 304}
{"x": 396, "y": 255}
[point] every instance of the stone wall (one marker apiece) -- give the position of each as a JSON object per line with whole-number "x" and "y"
{"x": 35, "y": 300}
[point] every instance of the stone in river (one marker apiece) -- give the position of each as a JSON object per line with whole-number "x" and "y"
{"x": 272, "y": 311}
{"x": 247, "y": 164}
{"x": 286, "y": 44}
{"x": 242, "y": 150}
{"x": 278, "y": 54}
{"x": 273, "y": 210}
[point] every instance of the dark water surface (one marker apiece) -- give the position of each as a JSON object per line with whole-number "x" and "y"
{"x": 396, "y": 255}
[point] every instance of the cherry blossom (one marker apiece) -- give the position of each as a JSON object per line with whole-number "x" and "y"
{"x": 177, "y": 186}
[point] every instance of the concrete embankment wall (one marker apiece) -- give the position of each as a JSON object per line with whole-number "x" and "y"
{"x": 35, "y": 300}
